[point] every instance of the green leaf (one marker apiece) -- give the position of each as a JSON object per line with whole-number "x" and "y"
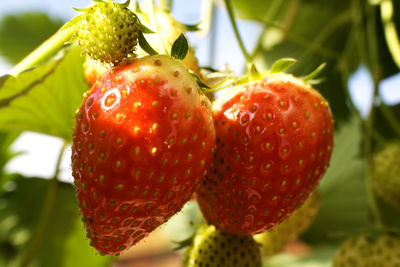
{"x": 6, "y": 140}
{"x": 63, "y": 242}
{"x": 21, "y": 33}
{"x": 344, "y": 205}
{"x": 180, "y": 47}
{"x": 44, "y": 99}
{"x": 282, "y": 64}
{"x": 145, "y": 45}
{"x": 3, "y": 79}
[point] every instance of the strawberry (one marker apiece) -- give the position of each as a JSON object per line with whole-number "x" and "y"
{"x": 386, "y": 174}
{"x": 365, "y": 251}
{"x": 142, "y": 143}
{"x": 211, "y": 247}
{"x": 108, "y": 31}
{"x": 274, "y": 142}
{"x": 280, "y": 236}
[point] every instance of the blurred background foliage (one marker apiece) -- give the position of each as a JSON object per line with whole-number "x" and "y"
{"x": 39, "y": 219}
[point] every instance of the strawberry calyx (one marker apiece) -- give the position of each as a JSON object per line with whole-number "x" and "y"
{"x": 228, "y": 79}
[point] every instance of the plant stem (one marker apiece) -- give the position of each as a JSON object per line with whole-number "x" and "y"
{"x": 236, "y": 31}
{"x": 373, "y": 62}
{"x": 270, "y": 16}
{"x": 45, "y": 215}
{"x": 390, "y": 118}
{"x": 44, "y": 51}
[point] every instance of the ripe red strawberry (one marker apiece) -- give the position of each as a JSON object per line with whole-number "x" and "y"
{"x": 274, "y": 142}
{"x": 143, "y": 141}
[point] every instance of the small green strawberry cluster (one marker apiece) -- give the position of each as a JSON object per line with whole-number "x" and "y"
{"x": 146, "y": 138}
{"x": 386, "y": 174}
{"x": 363, "y": 250}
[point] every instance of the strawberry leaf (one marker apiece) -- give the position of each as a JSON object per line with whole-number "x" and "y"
{"x": 22, "y": 33}
{"x": 61, "y": 244}
{"x": 180, "y": 47}
{"x": 44, "y": 99}
{"x": 3, "y": 79}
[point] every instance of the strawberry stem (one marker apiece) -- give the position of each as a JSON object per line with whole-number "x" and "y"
{"x": 229, "y": 8}
{"x": 44, "y": 51}
{"x": 45, "y": 216}
{"x": 373, "y": 60}
{"x": 390, "y": 118}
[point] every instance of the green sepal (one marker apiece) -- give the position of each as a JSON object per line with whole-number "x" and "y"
{"x": 126, "y": 4}
{"x": 180, "y": 47}
{"x": 71, "y": 23}
{"x": 143, "y": 29}
{"x": 310, "y": 77}
{"x": 178, "y": 245}
{"x": 282, "y": 64}
{"x": 136, "y": 8}
{"x": 254, "y": 74}
{"x": 198, "y": 80}
{"x": 192, "y": 27}
{"x": 145, "y": 45}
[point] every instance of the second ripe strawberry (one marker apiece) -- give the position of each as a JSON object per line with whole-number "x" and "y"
{"x": 274, "y": 143}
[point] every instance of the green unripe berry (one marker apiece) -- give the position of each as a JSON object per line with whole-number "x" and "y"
{"x": 108, "y": 31}
{"x": 386, "y": 174}
{"x": 211, "y": 247}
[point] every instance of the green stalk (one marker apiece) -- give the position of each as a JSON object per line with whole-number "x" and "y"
{"x": 236, "y": 31}
{"x": 44, "y": 51}
{"x": 390, "y": 118}
{"x": 45, "y": 215}
{"x": 269, "y": 15}
{"x": 374, "y": 65}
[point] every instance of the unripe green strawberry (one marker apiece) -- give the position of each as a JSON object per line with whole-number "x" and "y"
{"x": 142, "y": 143}
{"x": 363, "y": 251}
{"x": 386, "y": 174}
{"x": 108, "y": 31}
{"x": 279, "y": 237}
{"x": 214, "y": 248}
